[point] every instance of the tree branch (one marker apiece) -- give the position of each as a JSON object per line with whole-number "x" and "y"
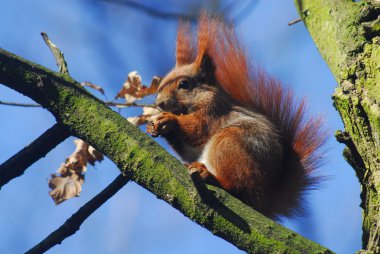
{"x": 295, "y": 21}
{"x": 17, "y": 164}
{"x": 147, "y": 163}
{"x": 73, "y": 224}
{"x": 130, "y": 104}
{"x": 16, "y": 104}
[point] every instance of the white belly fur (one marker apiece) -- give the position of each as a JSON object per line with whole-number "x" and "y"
{"x": 204, "y": 158}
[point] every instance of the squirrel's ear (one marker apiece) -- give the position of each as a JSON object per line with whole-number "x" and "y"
{"x": 207, "y": 67}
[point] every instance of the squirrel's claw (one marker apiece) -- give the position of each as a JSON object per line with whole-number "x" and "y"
{"x": 150, "y": 130}
{"x": 163, "y": 124}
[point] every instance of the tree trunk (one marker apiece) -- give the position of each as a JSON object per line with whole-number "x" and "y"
{"x": 347, "y": 34}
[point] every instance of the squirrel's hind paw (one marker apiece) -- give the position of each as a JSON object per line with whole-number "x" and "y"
{"x": 203, "y": 172}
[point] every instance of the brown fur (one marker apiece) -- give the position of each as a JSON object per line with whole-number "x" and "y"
{"x": 237, "y": 122}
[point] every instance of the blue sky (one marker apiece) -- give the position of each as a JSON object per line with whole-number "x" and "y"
{"x": 102, "y": 43}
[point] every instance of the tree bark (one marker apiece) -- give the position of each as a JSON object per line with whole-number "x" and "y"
{"x": 145, "y": 162}
{"x": 347, "y": 34}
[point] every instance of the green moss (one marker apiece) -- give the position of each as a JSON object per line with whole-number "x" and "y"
{"x": 334, "y": 27}
{"x": 372, "y": 111}
{"x": 372, "y": 65}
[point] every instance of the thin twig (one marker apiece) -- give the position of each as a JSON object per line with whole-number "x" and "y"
{"x": 17, "y": 164}
{"x": 294, "y": 21}
{"x": 31, "y": 105}
{"x": 130, "y": 104}
{"x": 59, "y": 58}
{"x": 73, "y": 224}
{"x": 108, "y": 103}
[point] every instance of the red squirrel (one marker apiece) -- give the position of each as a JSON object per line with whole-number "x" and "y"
{"x": 237, "y": 126}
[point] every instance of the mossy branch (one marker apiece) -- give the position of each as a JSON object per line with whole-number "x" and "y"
{"x": 145, "y": 162}
{"x": 347, "y": 34}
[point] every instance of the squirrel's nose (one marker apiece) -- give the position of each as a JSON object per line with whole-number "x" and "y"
{"x": 161, "y": 104}
{"x": 164, "y": 102}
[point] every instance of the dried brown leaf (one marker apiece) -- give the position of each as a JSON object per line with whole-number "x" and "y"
{"x": 152, "y": 88}
{"x": 95, "y": 155}
{"x": 148, "y": 115}
{"x": 151, "y": 111}
{"x": 64, "y": 188}
{"x": 78, "y": 160}
{"x": 68, "y": 182}
{"x": 130, "y": 87}
{"x": 63, "y": 170}
{"x": 133, "y": 89}
{"x": 138, "y": 120}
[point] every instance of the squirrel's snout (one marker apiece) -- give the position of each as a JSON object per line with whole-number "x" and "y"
{"x": 163, "y": 102}
{"x": 161, "y": 105}
{"x": 167, "y": 104}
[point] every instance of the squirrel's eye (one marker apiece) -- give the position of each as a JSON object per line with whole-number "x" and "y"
{"x": 184, "y": 84}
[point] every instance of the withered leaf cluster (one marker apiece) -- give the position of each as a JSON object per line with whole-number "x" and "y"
{"x": 68, "y": 180}
{"x": 133, "y": 89}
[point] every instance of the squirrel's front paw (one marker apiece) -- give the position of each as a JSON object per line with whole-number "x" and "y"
{"x": 162, "y": 124}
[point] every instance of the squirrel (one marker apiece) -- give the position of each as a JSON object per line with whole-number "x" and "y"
{"x": 237, "y": 126}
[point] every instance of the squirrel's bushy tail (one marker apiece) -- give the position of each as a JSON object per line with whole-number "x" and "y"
{"x": 252, "y": 87}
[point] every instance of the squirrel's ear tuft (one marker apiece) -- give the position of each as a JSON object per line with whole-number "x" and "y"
{"x": 207, "y": 31}
{"x": 185, "y": 49}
